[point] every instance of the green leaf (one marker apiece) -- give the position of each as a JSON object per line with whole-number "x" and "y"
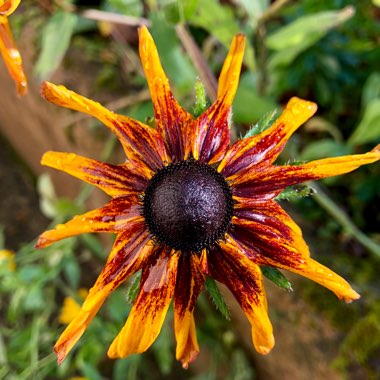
{"x": 134, "y": 288}
{"x": 290, "y": 40}
{"x": 294, "y": 193}
{"x": 56, "y": 36}
{"x": 254, "y": 9}
{"x": 177, "y": 65}
{"x": 264, "y": 123}
{"x": 180, "y": 11}
{"x": 220, "y": 21}
{"x": 371, "y": 89}
{"x": 162, "y": 349}
{"x": 200, "y": 104}
{"x": 249, "y": 106}
{"x": 324, "y": 148}
{"x": 368, "y": 129}
{"x": 217, "y": 297}
{"x": 276, "y": 277}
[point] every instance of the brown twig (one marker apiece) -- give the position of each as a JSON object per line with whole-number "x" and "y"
{"x": 206, "y": 75}
{"x": 114, "y": 18}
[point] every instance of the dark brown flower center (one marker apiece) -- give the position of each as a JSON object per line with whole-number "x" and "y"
{"x": 188, "y": 206}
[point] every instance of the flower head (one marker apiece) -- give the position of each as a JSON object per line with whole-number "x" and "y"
{"x": 8, "y": 49}
{"x": 187, "y": 205}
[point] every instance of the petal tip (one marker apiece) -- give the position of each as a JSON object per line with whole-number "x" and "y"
{"x": 60, "y": 354}
{"x": 41, "y": 242}
{"x": 267, "y": 348}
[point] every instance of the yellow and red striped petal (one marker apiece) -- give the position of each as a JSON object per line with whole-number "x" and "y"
{"x": 10, "y": 53}
{"x": 172, "y": 121}
{"x": 149, "y": 310}
{"x": 113, "y": 218}
{"x": 143, "y": 145}
{"x": 270, "y": 219}
{"x": 243, "y": 277}
{"x": 7, "y": 7}
{"x": 190, "y": 280}
{"x": 269, "y": 248}
{"x": 210, "y": 134}
{"x": 276, "y": 178}
{"x": 129, "y": 254}
{"x": 115, "y": 180}
{"x": 265, "y": 147}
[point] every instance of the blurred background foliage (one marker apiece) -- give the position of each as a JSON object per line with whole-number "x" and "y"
{"x": 324, "y": 51}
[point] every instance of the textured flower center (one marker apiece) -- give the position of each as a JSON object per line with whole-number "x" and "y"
{"x": 188, "y": 206}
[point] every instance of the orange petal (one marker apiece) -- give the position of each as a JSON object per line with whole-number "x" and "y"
{"x": 11, "y": 55}
{"x": 231, "y": 267}
{"x": 187, "y": 344}
{"x": 269, "y": 218}
{"x": 8, "y": 6}
{"x": 172, "y": 121}
{"x": 190, "y": 281}
{"x": 230, "y": 74}
{"x": 149, "y": 310}
{"x": 115, "y": 180}
{"x": 265, "y": 147}
{"x": 265, "y": 249}
{"x": 276, "y": 178}
{"x": 113, "y": 217}
{"x": 129, "y": 254}
{"x": 210, "y": 135}
{"x": 143, "y": 145}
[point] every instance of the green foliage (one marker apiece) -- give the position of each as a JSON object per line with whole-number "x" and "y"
{"x": 56, "y": 38}
{"x": 200, "y": 103}
{"x": 276, "y": 277}
{"x": 217, "y": 297}
{"x": 264, "y": 123}
{"x": 134, "y": 288}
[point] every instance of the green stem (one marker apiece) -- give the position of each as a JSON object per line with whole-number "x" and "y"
{"x": 344, "y": 220}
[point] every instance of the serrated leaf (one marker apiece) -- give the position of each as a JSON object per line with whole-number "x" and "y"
{"x": 276, "y": 277}
{"x": 217, "y": 297}
{"x": 56, "y": 36}
{"x": 294, "y": 193}
{"x": 264, "y": 123}
{"x": 133, "y": 289}
{"x": 200, "y": 103}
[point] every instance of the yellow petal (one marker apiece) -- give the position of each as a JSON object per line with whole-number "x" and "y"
{"x": 12, "y": 57}
{"x": 265, "y": 147}
{"x": 231, "y": 267}
{"x": 172, "y": 121}
{"x": 129, "y": 254}
{"x": 149, "y": 310}
{"x": 115, "y": 180}
{"x": 8, "y": 6}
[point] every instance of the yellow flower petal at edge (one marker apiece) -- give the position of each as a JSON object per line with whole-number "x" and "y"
{"x": 8, "y": 49}
{"x": 187, "y": 205}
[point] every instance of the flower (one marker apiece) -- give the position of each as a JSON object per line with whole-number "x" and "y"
{"x": 71, "y": 307}
{"x": 8, "y": 49}
{"x": 7, "y": 256}
{"x": 187, "y": 205}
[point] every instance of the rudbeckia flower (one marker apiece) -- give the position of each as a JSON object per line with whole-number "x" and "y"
{"x": 186, "y": 205}
{"x": 8, "y": 49}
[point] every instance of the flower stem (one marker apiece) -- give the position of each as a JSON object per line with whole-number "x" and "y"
{"x": 344, "y": 220}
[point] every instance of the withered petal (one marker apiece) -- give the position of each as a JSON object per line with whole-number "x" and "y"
{"x": 7, "y": 7}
